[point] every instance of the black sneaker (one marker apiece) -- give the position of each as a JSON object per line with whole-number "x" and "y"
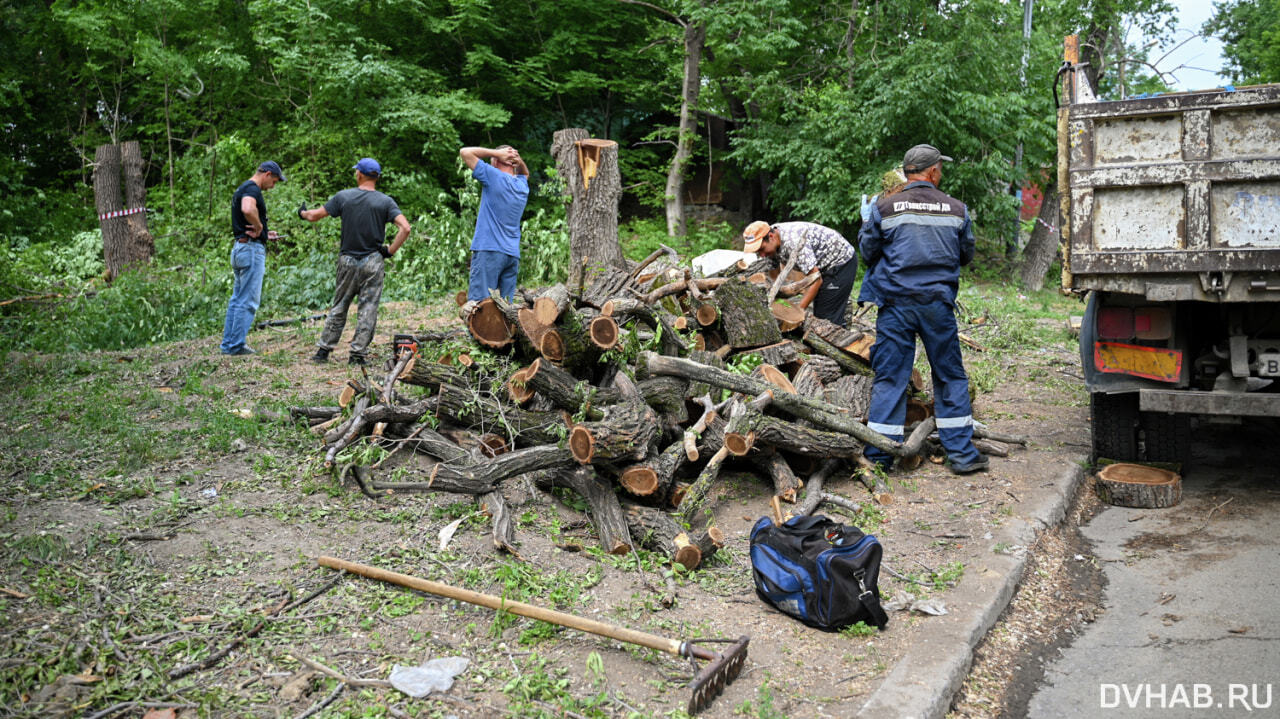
{"x": 978, "y": 465}
{"x": 245, "y": 350}
{"x": 356, "y": 360}
{"x": 321, "y": 356}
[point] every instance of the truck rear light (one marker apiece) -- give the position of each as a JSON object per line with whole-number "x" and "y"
{"x": 1152, "y": 323}
{"x": 1115, "y": 323}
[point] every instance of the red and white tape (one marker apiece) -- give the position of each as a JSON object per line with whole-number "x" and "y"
{"x": 121, "y": 213}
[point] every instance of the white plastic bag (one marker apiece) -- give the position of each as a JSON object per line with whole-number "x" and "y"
{"x": 434, "y": 676}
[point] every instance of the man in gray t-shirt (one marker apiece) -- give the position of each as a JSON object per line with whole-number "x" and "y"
{"x": 365, "y": 213}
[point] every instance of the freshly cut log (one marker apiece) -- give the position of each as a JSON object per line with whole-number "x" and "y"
{"x": 517, "y": 385}
{"x": 774, "y": 376}
{"x": 794, "y": 437}
{"x": 552, "y": 345}
{"x": 992, "y": 447}
{"x": 851, "y": 392}
{"x": 532, "y": 327}
{"x": 791, "y": 289}
{"x": 602, "y": 506}
{"x": 745, "y": 317}
{"x": 782, "y": 353}
{"x": 654, "y": 476}
{"x": 873, "y": 481}
{"x": 915, "y": 442}
{"x": 785, "y": 481}
{"x": 609, "y": 283}
{"x": 813, "y": 487}
{"x": 623, "y": 433}
{"x": 707, "y": 314}
{"x": 482, "y": 477}
{"x": 694, "y": 495}
{"x": 918, "y": 410}
{"x": 1136, "y": 485}
{"x": 655, "y": 530}
{"x": 675, "y": 288}
{"x": 433, "y": 375}
{"x": 604, "y": 332}
{"x": 494, "y": 506}
{"x": 580, "y": 355}
{"x": 988, "y": 433}
{"x": 548, "y": 306}
{"x": 430, "y": 442}
{"x": 842, "y": 358}
{"x": 474, "y": 410}
{"x": 788, "y": 316}
{"x": 589, "y": 168}
{"x": 314, "y": 412}
{"x": 476, "y": 445}
{"x": 489, "y": 325}
{"x": 816, "y": 411}
{"x": 807, "y": 382}
{"x": 824, "y": 367}
{"x": 690, "y": 440}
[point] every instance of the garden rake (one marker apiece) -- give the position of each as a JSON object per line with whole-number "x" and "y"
{"x": 722, "y": 667}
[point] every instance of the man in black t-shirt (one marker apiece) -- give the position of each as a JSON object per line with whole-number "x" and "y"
{"x": 248, "y": 255}
{"x": 365, "y": 213}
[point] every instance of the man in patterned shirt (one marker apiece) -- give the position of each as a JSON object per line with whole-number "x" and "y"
{"x": 811, "y": 248}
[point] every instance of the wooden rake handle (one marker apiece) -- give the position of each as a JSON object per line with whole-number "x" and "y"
{"x": 631, "y": 636}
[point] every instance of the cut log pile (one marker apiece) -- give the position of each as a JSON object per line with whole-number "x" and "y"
{"x": 634, "y": 392}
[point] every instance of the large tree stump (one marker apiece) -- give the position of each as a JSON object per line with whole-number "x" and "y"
{"x": 745, "y": 316}
{"x": 590, "y": 171}
{"x": 1136, "y": 485}
{"x": 602, "y": 506}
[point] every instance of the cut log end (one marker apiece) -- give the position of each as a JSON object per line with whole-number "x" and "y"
{"x": 789, "y": 316}
{"x": 640, "y": 481}
{"x": 1135, "y": 485}
{"x": 518, "y": 388}
{"x": 546, "y": 310}
{"x": 604, "y": 332}
{"x": 739, "y": 444}
{"x": 489, "y": 326}
{"x": 552, "y": 346}
{"x": 776, "y": 377}
{"x": 707, "y": 314}
{"x": 582, "y": 444}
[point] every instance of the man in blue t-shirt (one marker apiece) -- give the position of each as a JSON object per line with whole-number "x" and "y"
{"x": 248, "y": 255}
{"x": 365, "y": 214}
{"x": 495, "y": 248}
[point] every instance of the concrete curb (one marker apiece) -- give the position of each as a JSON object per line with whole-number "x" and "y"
{"x": 924, "y": 682}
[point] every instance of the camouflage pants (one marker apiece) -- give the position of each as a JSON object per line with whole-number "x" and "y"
{"x": 357, "y": 277}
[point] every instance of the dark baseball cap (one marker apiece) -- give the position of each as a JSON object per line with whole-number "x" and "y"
{"x": 368, "y": 166}
{"x": 273, "y": 167}
{"x": 921, "y": 157}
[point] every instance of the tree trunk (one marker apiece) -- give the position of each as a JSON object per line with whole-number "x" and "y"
{"x": 695, "y": 35}
{"x": 1042, "y": 247}
{"x": 107, "y": 199}
{"x": 590, "y": 171}
{"x": 141, "y": 247}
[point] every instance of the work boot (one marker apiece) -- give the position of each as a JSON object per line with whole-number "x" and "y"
{"x": 321, "y": 356}
{"x": 245, "y": 350}
{"x": 356, "y": 360}
{"x": 978, "y": 465}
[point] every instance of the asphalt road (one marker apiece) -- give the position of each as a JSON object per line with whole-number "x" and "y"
{"x": 1191, "y": 614}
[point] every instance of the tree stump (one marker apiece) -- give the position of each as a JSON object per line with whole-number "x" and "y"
{"x": 590, "y": 171}
{"x": 1136, "y": 485}
{"x": 141, "y": 246}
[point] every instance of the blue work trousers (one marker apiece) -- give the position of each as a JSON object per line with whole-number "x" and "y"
{"x": 249, "y": 263}
{"x": 491, "y": 270}
{"x": 897, "y": 326}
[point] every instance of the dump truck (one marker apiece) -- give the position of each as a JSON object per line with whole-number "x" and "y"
{"x": 1171, "y": 226}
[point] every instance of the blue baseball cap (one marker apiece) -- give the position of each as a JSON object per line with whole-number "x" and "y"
{"x": 273, "y": 167}
{"x": 368, "y": 166}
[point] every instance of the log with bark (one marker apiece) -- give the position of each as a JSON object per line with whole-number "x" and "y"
{"x": 745, "y": 316}
{"x": 602, "y": 505}
{"x": 475, "y": 410}
{"x": 654, "y": 476}
{"x": 1136, "y": 485}
{"x": 495, "y": 507}
{"x": 656, "y": 531}
{"x": 482, "y": 476}
{"x": 489, "y": 326}
{"x": 624, "y": 433}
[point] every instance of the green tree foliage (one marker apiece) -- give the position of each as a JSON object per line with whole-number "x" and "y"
{"x": 1250, "y": 34}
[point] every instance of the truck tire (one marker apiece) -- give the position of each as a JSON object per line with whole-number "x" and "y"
{"x": 1114, "y": 426}
{"x": 1166, "y": 437}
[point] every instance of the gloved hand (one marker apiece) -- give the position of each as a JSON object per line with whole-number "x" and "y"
{"x": 301, "y": 207}
{"x": 866, "y": 208}
{"x": 384, "y": 250}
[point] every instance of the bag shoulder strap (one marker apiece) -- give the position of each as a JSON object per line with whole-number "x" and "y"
{"x": 870, "y": 601}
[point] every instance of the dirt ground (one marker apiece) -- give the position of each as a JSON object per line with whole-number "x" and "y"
{"x": 107, "y": 601}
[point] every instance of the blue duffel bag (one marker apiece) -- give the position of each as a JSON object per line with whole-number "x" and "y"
{"x": 819, "y": 571}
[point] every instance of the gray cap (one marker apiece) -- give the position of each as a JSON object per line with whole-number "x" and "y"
{"x": 922, "y": 157}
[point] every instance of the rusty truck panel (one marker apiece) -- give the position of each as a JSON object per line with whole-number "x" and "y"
{"x": 1176, "y": 197}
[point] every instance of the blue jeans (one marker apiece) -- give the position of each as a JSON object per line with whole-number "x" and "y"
{"x": 249, "y": 262}
{"x": 892, "y": 357}
{"x": 492, "y": 270}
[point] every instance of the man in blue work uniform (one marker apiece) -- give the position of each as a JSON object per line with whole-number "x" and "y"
{"x": 915, "y": 242}
{"x": 495, "y": 248}
{"x": 248, "y": 256}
